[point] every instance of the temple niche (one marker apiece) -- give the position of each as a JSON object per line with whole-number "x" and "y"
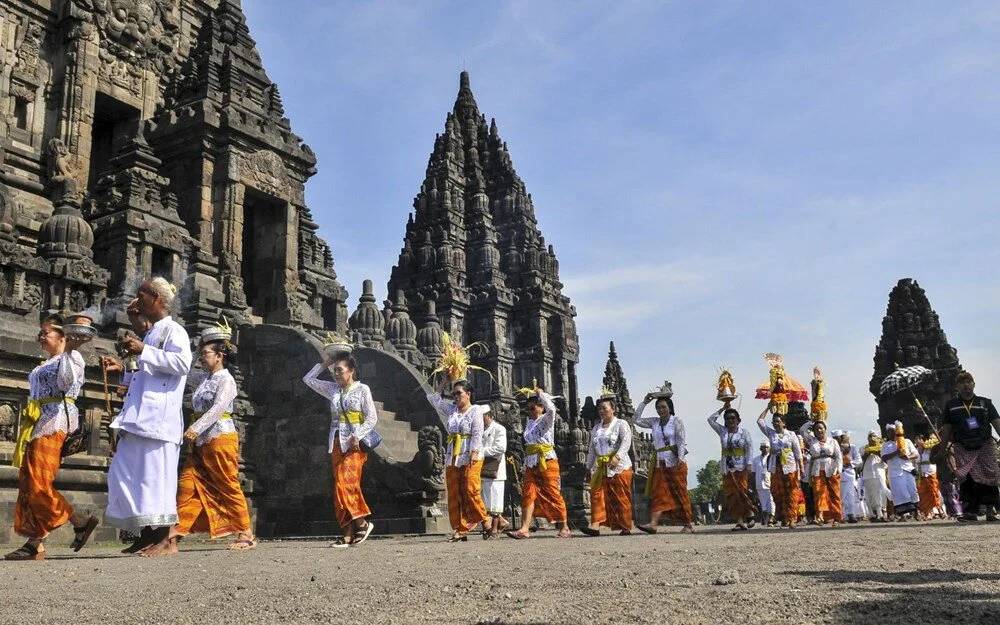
{"x": 912, "y": 335}
{"x": 142, "y": 138}
{"x": 475, "y": 265}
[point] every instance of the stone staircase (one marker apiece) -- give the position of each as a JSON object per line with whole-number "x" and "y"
{"x": 399, "y": 441}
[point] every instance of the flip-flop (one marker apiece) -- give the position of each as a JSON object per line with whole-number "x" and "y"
{"x": 517, "y": 535}
{"x": 647, "y": 529}
{"x": 83, "y": 533}
{"x": 589, "y": 531}
{"x": 461, "y": 538}
{"x": 340, "y": 543}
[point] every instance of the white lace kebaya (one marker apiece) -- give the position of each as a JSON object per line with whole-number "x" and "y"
{"x": 465, "y": 429}
{"x": 63, "y": 373}
{"x": 667, "y": 437}
{"x": 214, "y": 398}
{"x": 604, "y": 440}
{"x": 541, "y": 431}
{"x": 357, "y": 399}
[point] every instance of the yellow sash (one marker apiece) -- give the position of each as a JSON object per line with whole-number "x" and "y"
{"x": 197, "y": 415}
{"x": 541, "y": 450}
{"x": 455, "y": 441}
{"x": 30, "y": 415}
{"x": 354, "y": 417}
{"x": 785, "y": 456}
{"x": 651, "y": 466}
{"x": 600, "y": 468}
{"x": 735, "y": 452}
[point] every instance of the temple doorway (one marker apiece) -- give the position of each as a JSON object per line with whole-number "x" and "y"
{"x": 264, "y": 243}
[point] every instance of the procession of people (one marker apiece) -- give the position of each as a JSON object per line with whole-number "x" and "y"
{"x": 815, "y": 475}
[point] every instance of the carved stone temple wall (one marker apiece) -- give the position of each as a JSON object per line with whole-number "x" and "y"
{"x": 144, "y": 137}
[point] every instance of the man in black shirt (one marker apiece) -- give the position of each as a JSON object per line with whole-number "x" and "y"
{"x": 969, "y": 421}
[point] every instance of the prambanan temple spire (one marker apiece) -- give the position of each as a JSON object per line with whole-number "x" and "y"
{"x": 472, "y": 246}
{"x": 912, "y": 335}
{"x": 614, "y": 380}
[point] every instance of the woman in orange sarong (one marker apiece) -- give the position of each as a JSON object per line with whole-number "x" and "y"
{"x": 931, "y": 503}
{"x": 356, "y": 417}
{"x": 736, "y": 464}
{"x": 49, "y": 416}
{"x": 541, "y": 492}
{"x": 209, "y": 496}
{"x": 463, "y": 458}
{"x": 785, "y": 465}
{"x": 666, "y": 476}
{"x": 826, "y": 462}
{"x": 610, "y": 472}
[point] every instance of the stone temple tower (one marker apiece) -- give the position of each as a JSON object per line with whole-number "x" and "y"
{"x": 472, "y": 247}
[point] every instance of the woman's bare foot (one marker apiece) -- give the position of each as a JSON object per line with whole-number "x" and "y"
{"x": 245, "y": 540}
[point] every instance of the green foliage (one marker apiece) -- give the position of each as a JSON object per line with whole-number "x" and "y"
{"x": 709, "y": 483}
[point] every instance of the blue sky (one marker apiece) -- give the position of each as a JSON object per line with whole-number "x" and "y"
{"x": 718, "y": 179}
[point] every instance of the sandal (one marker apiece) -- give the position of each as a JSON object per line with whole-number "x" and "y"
{"x": 625, "y": 533}
{"x": 83, "y": 533}
{"x": 647, "y": 529}
{"x": 242, "y": 544}
{"x": 564, "y": 533}
{"x": 340, "y": 543}
{"x": 518, "y": 534}
{"x": 458, "y": 538}
{"x": 27, "y": 551}
{"x": 589, "y": 531}
{"x": 364, "y": 534}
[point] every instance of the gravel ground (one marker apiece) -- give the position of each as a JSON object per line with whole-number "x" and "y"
{"x": 885, "y": 574}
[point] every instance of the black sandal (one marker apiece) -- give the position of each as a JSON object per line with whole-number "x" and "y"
{"x": 589, "y": 531}
{"x": 27, "y": 551}
{"x": 646, "y": 528}
{"x": 83, "y": 533}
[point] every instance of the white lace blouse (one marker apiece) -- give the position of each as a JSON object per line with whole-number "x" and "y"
{"x": 605, "y": 439}
{"x": 57, "y": 375}
{"x": 213, "y": 398}
{"x": 356, "y": 398}
{"x": 468, "y": 425}
{"x": 541, "y": 431}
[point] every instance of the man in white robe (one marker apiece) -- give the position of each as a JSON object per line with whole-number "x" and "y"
{"x": 493, "y": 474}
{"x": 142, "y": 480}
{"x": 762, "y": 483}
{"x": 850, "y": 488}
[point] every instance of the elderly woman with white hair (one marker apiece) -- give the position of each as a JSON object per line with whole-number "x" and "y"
{"x": 142, "y": 480}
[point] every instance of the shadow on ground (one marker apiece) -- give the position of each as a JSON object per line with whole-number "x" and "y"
{"x": 926, "y": 595}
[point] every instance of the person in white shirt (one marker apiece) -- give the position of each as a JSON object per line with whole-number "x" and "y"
{"x": 50, "y": 416}
{"x": 825, "y": 465}
{"x": 142, "y": 480}
{"x": 666, "y": 478}
{"x": 209, "y": 496}
{"x": 353, "y": 423}
{"x": 901, "y": 459}
{"x": 786, "y": 464}
{"x": 735, "y": 463}
{"x": 850, "y": 490}
{"x": 463, "y": 456}
{"x": 494, "y": 474}
{"x": 873, "y": 478}
{"x": 610, "y": 471}
{"x": 541, "y": 493}
{"x": 762, "y": 483}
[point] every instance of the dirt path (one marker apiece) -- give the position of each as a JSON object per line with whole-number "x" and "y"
{"x": 882, "y": 575}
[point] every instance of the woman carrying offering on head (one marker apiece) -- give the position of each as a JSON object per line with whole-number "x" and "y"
{"x": 353, "y": 422}
{"x": 209, "y": 496}
{"x": 666, "y": 478}
{"x": 736, "y": 465}
{"x": 610, "y": 471}
{"x": 49, "y": 416}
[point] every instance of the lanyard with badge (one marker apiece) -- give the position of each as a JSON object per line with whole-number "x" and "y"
{"x": 970, "y": 421}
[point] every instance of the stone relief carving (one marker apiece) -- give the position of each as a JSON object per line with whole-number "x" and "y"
{"x": 8, "y": 421}
{"x": 61, "y": 171}
{"x": 264, "y": 170}
{"x": 146, "y": 32}
{"x": 29, "y": 49}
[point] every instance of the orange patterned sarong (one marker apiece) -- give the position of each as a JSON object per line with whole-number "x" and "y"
{"x": 669, "y": 493}
{"x": 826, "y": 497}
{"x": 40, "y": 508}
{"x": 735, "y": 485}
{"x": 786, "y": 492}
{"x": 611, "y": 504}
{"x": 465, "y": 501}
{"x": 348, "y": 500}
{"x": 544, "y": 490}
{"x": 209, "y": 497}
{"x": 929, "y": 491}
